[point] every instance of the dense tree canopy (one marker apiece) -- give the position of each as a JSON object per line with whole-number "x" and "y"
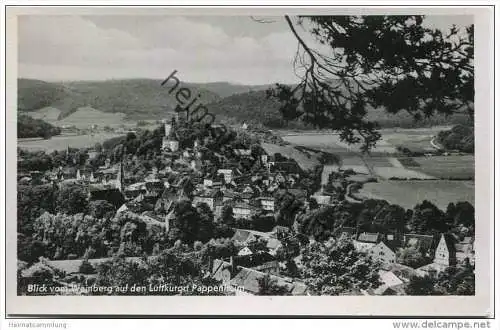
{"x": 28, "y": 127}
{"x": 336, "y": 268}
{"x": 394, "y": 62}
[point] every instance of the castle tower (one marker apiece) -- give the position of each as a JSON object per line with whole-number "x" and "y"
{"x": 170, "y": 140}
{"x": 168, "y": 127}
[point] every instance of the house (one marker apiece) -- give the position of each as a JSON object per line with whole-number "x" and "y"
{"x": 152, "y": 219}
{"x": 243, "y": 152}
{"x": 227, "y": 173}
{"x": 245, "y": 251}
{"x": 366, "y": 241}
{"x": 465, "y": 251}
{"x": 280, "y": 178}
{"x": 391, "y": 285}
{"x": 248, "y": 190}
{"x": 322, "y": 199}
{"x": 382, "y": 253}
{"x": 347, "y": 233}
{"x": 403, "y": 272}
{"x": 273, "y": 244}
{"x": 245, "y": 236}
{"x": 196, "y": 165}
{"x": 243, "y": 210}
{"x": 212, "y": 198}
{"x": 247, "y": 282}
{"x": 154, "y": 188}
{"x": 266, "y": 203}
{"x": 287, "y": 167}
{"x": 229, "y": 195}
{"x": 208, "y": 182}
{"x": 134, "y": 190}
{"x": 246, "y": 197}
{"x": 270, "y": 267}
{"x": 280, "y": 232}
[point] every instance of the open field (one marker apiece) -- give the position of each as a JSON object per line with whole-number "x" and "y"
{"x": 305, "y": 161}
{"x": 82, "y": 118}
{"x": 414, "y": 138}
{"x": 408, "y": 193}
{"x": 400, "y": 172}
{"x": 62, "y": 142}
{"x": 457, "y": 167}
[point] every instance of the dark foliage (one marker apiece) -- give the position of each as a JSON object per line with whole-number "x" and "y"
{"x": 28, "y": 127}
{"x": 371, "y": 59}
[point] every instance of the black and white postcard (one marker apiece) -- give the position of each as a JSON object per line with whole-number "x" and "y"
{"x": 249, "y": 161}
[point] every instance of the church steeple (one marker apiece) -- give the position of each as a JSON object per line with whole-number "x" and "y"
{"x": 172, "y": 133}
{"x": 119, "y": 177}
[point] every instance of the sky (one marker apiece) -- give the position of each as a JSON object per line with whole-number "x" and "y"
{"x": 235, "y": 49}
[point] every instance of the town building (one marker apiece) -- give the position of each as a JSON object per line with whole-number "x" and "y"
{"x": 382, "y": 253}
{"x": 366, "y": 241}
{"x": 170, "y": 142}
{"x": 266, "y": 203}
{"x": 212, "y": 198}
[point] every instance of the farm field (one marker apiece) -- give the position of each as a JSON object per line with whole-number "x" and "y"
{"x": 81, "y": 118}
{"x": 306, "y": 161}
{"x": 459, "y": 167}
{"x": 400, "y": 172}
{"x": 409, "y": 193}
{"x": 415, "y": 138}
{"x": 62, "y": 142}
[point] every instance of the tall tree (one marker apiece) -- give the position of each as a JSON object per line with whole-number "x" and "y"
{"x": 337, "y": 268}
{"x": 71, "y": 199}
{"x": 269, "y": 287}
{"x": 359, "y": 62}
{"x": 427, "y": 219}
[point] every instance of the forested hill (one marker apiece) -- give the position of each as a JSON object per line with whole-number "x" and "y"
{"x": 28, "y": 127}
{"x": 136, "y": 98}
{"x": 146, "y": 99}
{"x": 225, "y": 89}
{"x": 249, "y": 107}
{"x": 36, "y": 94}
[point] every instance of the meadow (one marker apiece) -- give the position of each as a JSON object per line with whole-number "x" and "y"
{"x": 446, "y": 167}
{"x": 413, "y": 138}
{"x": 62, "y": 142}
{"x": 84, "y": 117}
{"x": 305, "y": 160}
{"x": 408, "y": 193}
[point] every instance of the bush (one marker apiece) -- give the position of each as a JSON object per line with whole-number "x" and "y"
{"x": 86, "y": 268}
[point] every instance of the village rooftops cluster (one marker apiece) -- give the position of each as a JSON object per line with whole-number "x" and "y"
{"x": 217, "y": 178}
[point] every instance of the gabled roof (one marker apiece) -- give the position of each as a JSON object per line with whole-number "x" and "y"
{"x": 347, "y": 230}
{"x": 273, "y": 244}
{"x": 248, "y": 279}
{"x": 241, "y": 235}
{"x": 450, "y": 243}
{"x": 368, "y": 237}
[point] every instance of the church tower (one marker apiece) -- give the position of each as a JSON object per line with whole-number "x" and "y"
{"x": 119, "y": 177}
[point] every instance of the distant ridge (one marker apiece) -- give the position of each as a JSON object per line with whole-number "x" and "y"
{"x": 146, "y": 99}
